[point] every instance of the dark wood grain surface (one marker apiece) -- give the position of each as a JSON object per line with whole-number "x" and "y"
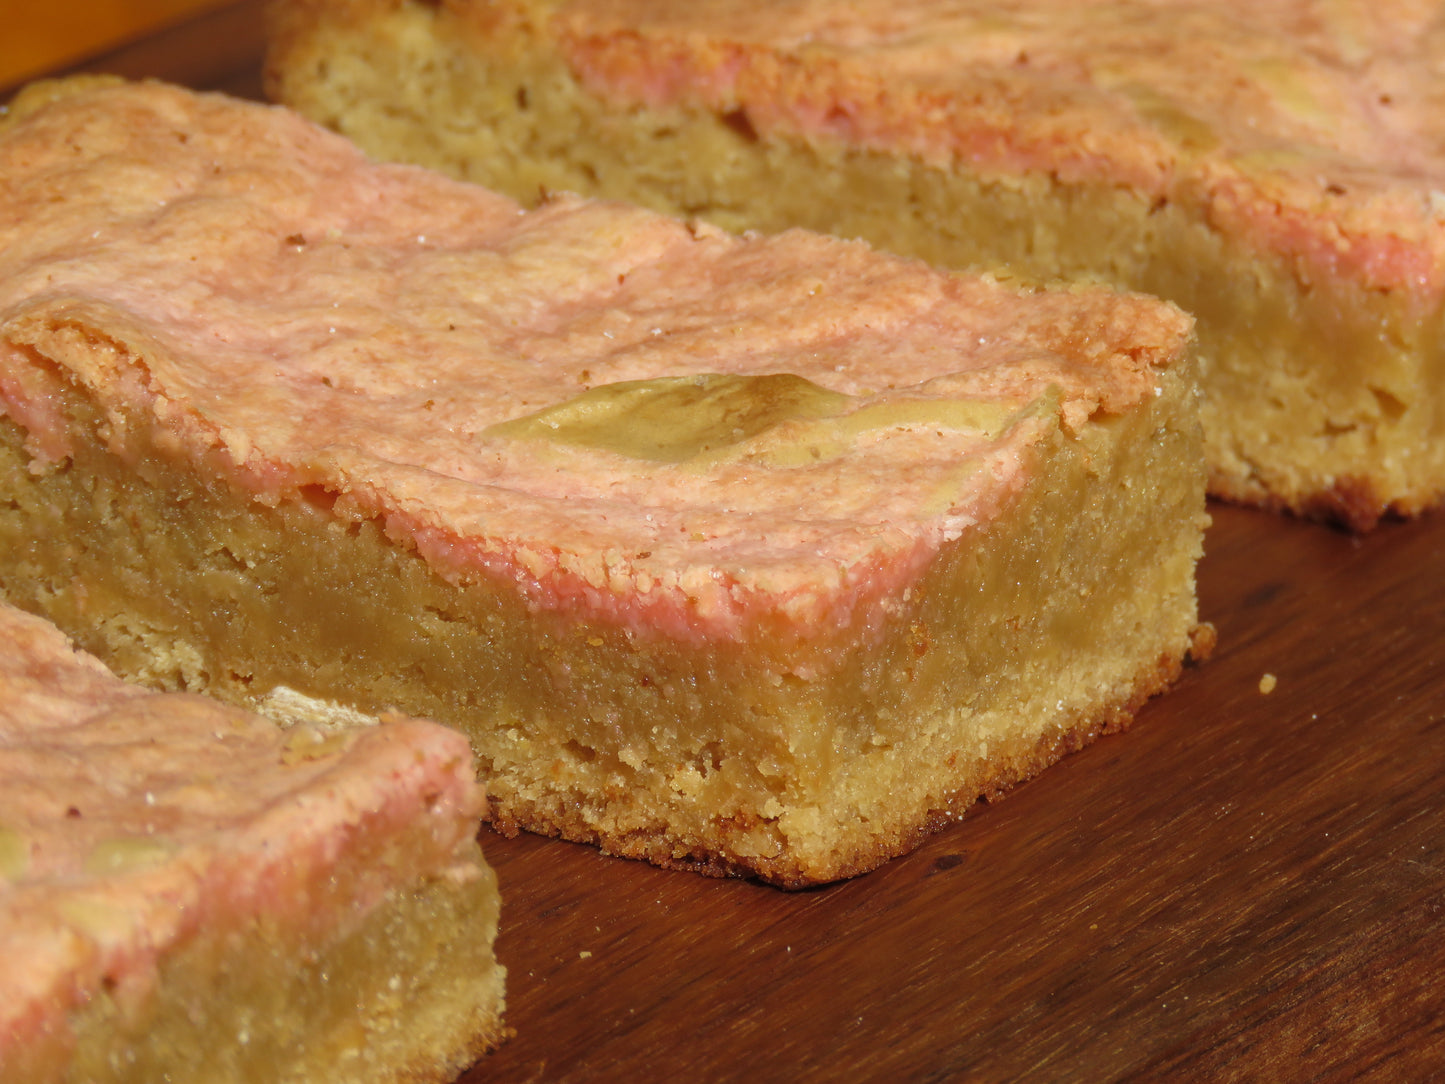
{"x": 1245, "y": 886}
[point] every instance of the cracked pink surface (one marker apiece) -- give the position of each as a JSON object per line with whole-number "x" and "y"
{"x": 1312, "y": 128}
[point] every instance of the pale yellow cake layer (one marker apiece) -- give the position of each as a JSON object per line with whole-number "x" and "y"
{"x": 1320, "y": 388}
{"x": 413, "y": 995}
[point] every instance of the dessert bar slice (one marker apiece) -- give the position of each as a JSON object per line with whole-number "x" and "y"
{"x": 190, "y": 892}
{"x": 756, "y": 555}
{"x": 1275, "y": 169}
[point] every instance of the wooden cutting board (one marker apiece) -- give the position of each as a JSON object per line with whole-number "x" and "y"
{"x": 1246, "y": 885}
{"x": 40, "y": 37}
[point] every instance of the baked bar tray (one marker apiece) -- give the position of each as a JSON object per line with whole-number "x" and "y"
{"x": 1245, "y": 885}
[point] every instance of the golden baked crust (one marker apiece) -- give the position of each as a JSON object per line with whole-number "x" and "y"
{"x": 1272, "y": 168}
{"x": 748, "y": 555}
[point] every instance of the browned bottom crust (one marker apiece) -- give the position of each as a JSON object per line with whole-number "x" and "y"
{"x": 1013, "y": 766}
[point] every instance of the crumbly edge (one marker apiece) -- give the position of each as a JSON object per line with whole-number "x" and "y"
{"x": 795, "y": 761}
{"x": 1320, "y": 397}
{"x": 978, "y": 688}
{"x": 409, "y": 994}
